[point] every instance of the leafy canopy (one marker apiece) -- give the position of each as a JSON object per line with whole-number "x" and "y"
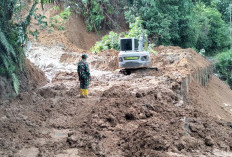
{"x": 224, "y": 66}
{"x": 112, "y": 40}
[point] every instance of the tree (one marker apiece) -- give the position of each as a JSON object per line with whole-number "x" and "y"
{"x": 214, "y": 33}
{"x": 98, "y": 14}
{"x": 13, "y": 35}
{"x": 169, "y": 22}
{"x": 223, "y": 8}
{"x": 224, "y": 66}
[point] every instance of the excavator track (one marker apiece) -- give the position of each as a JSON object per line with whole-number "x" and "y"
{"x": 130, "y": 71}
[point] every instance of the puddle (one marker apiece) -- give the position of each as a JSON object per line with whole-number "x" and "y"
{"x": 58, "y": 135}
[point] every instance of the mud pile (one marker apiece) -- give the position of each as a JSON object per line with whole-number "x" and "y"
{"x": 142, "y": 114}
{"x": 29, "y": 79}
{"x": 110, "y": 60}
{"x": 175, "y": 61}
{"x": 146, "y": 115}
{"x": 106, "y": 60}
{"x": 152, "y": 121}
{"x": 36, "y": 77}
{"x": 215, "y": 98}
{"x": 38, "y": 122}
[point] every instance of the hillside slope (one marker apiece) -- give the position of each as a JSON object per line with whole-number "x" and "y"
{"x": 143, "y": 114}
{"x": 215, "y": 98}
{"x": 168, "y": 112}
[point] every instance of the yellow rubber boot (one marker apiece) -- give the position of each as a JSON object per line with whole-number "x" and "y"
{"x": 86, "y": 92}
{"x": 81, "y": 93}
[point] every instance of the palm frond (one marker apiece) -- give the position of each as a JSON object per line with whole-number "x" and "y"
{"x": 15, "y": 83}
{"x": 5, "y": 62}
{"x": 9, "y": 49}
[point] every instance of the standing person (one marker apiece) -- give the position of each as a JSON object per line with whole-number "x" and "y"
{"x": 84, "y": 76}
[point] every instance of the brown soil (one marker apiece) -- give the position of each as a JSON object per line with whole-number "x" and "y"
{"x": 77, "y": 35}
{"x": 105, "y": 60}
{"x": 36, "y": 77}
{"x": 29, "y": 79}
{"x": 58, "y": 38}
{"x": 142, "y": 114}
{"x": 215, "y": 98}
{"x": 176, "y": 60}
{"x": 73, "y": 38}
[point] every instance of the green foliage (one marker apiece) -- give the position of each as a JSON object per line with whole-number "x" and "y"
{"x": 223, "y": 7}
{"x": 169, "y": 22}
{"x": 40, "y": 18}
{"x": 13, "y": 35}
{"x": 213, "y": 31}
{"x": 112, "y": 40}
{"x": 56, "y": 8}
{"x": 15, "y": 83}
{"x": 2, "y": 70}
{"x": 224, "y": 66}
{"x": 196, "y": 24}
{"x": 98, "y": 14}
{"x": 184, "y": 23}
{"x": 59, "y": 20}
{"x": 154, "y": 22}
{"x": 65, "y": 14}
{"x": 47, "y": 1}
{"x": 34, "y": 33}
{"x": 7, "y": 46}
{"x": 136, "y": 29}
{"x": 93, "y": 13}
{"x": 13, "y": 29}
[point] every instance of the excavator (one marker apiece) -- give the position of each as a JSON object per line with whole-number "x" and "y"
{"x": 132, "y": 56}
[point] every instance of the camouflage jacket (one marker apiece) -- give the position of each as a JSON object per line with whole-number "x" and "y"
{"x": 83, "y": 70}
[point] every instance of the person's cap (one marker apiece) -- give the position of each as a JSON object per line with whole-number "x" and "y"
{"x": 84, "y": 56}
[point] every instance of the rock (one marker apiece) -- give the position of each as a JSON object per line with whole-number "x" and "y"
{"x": 209, "y": 141}
{"x": 142, "y": 116}
{"x": 194, "y": 127}
{"x": 129, "y": 116}
{"x": 138, "y": 95}
{"x": 223, "y": 146}
{"x": 72, "y": 140}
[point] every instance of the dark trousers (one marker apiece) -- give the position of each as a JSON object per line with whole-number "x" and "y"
{"x": 84, "y": 83}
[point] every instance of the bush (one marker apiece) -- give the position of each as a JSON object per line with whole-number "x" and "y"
{"x": 213, "y": 31}
{"x": 112, "y": 40}
{"x": 13, "y": 35}
{"x": 59, "y": 20}
{"x": 223, "y": 67}
{"x": 97, "y": 13}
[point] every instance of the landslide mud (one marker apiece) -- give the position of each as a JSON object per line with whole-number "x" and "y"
{"x": 142, "y": 114}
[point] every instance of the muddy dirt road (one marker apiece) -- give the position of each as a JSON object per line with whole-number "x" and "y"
{"x": 142, "y": 114}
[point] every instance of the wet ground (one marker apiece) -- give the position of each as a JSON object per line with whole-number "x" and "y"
{"x": 142, "y": 114}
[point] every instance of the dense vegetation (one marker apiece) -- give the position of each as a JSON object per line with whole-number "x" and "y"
{"x": 112, "y": 40}
{"x": 198, "y": 24}
{"x": 13, "y": 35}
{"x": 223, "y": 67}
